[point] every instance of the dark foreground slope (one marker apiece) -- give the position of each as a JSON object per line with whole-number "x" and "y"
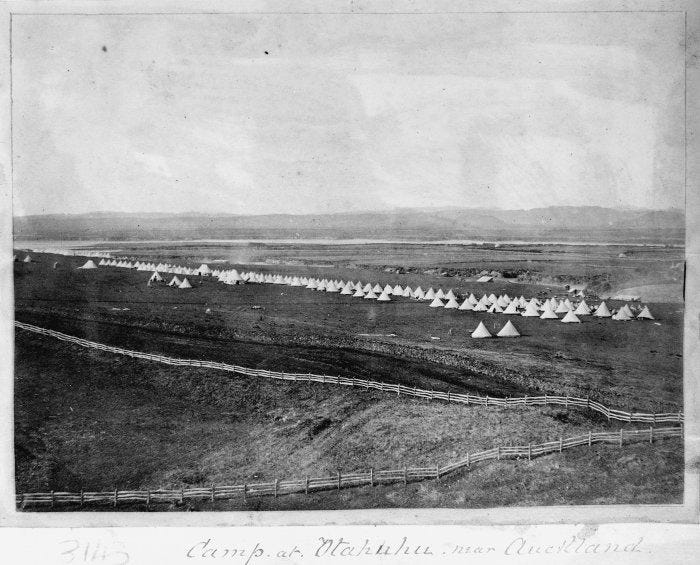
{"x": 96, "y": 421}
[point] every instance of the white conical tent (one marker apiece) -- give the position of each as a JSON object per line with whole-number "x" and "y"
{"x": 27, "y": 259}
{"x": 531, "y": 311}
{"x": 377, "y": 289}
{"x": 466, "y": 305}
{"x": 627, "y": 311}
{"x": 174, "y": 281}
{"x": 419, "y": 294}
{"x": 472, "y": 299}
{"x": 481, "y": 331}
{"x": 418, "y": 289}
{"x": 367, "y": 287}
{"x": 645, "y": 314}
{"x": 582, "y": 309}
{"x": 359, "y": 293}
{"x": 548, "y": 313}
{"x": 479, "y": 307}
{"x": 397, "y": 290}
{"x": 450, "y": 295}
{"x": 621, "y": 316}
{"x": 512, "y": 308}
{"x": 439, "y": 293}
{"x": 570, "y": 318}
{"x": 101, "y": 263}
{"x": 347, "y": 289}
{"x": 562, "y": 308}
{"x": 407, "y": 292}
{"x": 370, "y": 294}
{"x": 184, "y": 284}
{"x": 331, "y": 287}
{"x": 89, "y": 264}
{"x": 384, "y": 297}
{"x": 388, "y": 289}
{"x": 509, "y": 330}
{"x": 602, "y": 311}
{"x": 495, "y": 308}
{"x": 452, "y": 304}
{"x": 430, "y": 294}
{"x": 436, "y": 303}
{"x": 155, "y": 277}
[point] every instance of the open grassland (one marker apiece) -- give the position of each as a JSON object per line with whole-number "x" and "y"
{"x": 604, "y": 268}
{"x": 92, "y": 420}
{"x": 630, "y": 365}
{"x": 97, "y": 421}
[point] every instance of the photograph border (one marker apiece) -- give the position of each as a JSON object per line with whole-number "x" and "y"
{"x": 688, "y": 512}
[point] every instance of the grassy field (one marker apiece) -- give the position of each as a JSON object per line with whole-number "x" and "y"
{"x": 78, "y": 413}
{"x": 605, "y": 269}
{"x": 90, "y": 420}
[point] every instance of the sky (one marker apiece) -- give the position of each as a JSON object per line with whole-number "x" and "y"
{"x": 255, "y": 114}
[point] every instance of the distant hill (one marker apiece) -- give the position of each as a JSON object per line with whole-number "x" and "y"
{"x": 582, "y": 223}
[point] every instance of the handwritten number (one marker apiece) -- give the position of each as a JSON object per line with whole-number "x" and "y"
{"x": 92, "y": 553}
{"x": 69, "y": 554}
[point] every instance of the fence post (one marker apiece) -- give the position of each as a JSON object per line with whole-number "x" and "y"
{"x": 371, "y": 476}
{"x": 405, "y": 476}
{"x": 588, "y": 402}
{"x": 467, "y": 399}
{"x": 590, "y": 438}
{"x": 629, "y": 417}
{"x": 469, "y": 463}
{"x": 115, "y": 498}
{"x": 653, "y": 418}
{"x": 306, "y": 489}
{"x": 213, "y": 493}
{"x": 620, "y": 437}
{"x": 245, "y": 494}
{"x": 566, "y": 402}
{"x": 545, "y": 399}
{"x": 338, "y": 479}
{"x": 448, "y": 396}
{"x": 651, "y": 434}
{"x": 498, "y": 452}
{"x": 561, "y": 443}
{"x": 437, "y": 471}
{"x": 82, "y": 497}
{"x": 529, "y": 452}
{"x": 148, "y": 498}
{"x": 680, "y": 419}
{"x": 487, "y": 400}
{"x": 53, "y": 499}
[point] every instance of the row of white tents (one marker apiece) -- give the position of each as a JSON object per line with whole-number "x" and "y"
{"x": 548, "y": 309}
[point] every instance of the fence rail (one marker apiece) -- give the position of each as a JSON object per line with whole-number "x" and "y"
{"x": 398, "y": 389}
{"x": 340, "y": 480}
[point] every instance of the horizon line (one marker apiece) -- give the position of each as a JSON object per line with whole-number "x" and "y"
{"x": 346, "y": 213}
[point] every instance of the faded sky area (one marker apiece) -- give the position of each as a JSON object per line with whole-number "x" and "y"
{"x": 332, "y": 113}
